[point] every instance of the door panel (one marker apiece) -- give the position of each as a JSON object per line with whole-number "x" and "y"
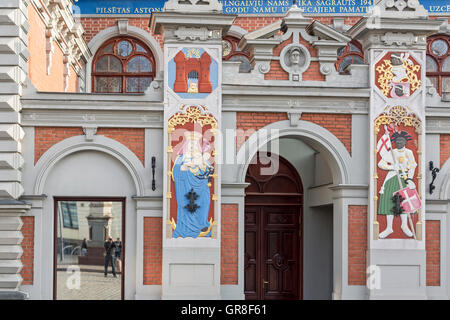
{"x": 272, "y": 272}
{"x": 281, "y": 252}
{"x": 273, "y": 218}
{"x": 252, "y": 254}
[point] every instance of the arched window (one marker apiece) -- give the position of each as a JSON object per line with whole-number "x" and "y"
{"x": 123, "y": 65}
{"x": 231, "y": 52}
{"x": 438, "y": 62}
{"x": 351, "y": 54}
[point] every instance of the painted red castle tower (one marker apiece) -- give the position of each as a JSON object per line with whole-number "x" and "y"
{"x": 198, "y": 66}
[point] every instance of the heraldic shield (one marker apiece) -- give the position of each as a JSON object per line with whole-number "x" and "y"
{"x": 411, "y": 202}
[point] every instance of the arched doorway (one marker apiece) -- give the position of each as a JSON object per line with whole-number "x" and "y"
{"x": 273, "y": 224}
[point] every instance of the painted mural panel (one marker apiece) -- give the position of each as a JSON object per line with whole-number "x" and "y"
{"x": 192, "y": 178}
{"x": 397, "y": 178}
{"x": 398, "y": 75}
{"x": 398, "y": 159}
{"x": 193, "y": 74}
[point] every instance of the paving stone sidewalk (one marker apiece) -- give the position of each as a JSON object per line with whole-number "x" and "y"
{"x": 93, "y": 286}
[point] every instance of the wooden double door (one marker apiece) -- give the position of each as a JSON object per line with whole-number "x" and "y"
{"x": 273, "y": 239}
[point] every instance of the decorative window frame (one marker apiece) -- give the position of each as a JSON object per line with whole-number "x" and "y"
{"x": 123, "y": 29}
{"x": 348, "y": 53}
{"x": 438, "y": 60}
{"x": 124, "y": 61}
{"x": 235, "y": 50}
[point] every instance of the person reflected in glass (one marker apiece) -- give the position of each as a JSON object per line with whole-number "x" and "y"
{"x": 110, "y": 249}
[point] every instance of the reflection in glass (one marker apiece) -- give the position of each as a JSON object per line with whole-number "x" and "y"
{"x": 431, "y": 64}
{"x": 80, "y": 251}
{"x": 245, "y": 66}
{"x": 139, "y": 64}
{"x": 446, "y": 65}
{"x": 108, "y": 48}
{"x": 132, "y": 84}
{"x": 140, "y": 48}
{"x": 439, "y": 48}
{"x": 108, "y": 64}
{"x": 133, "y": 65}
{"x": 124, "y": 48}
{"x": 348, "y": 61}
{"x": 138, "y": 84}
{"x": 446, "y": 84}
{"x": 108, "y": 84}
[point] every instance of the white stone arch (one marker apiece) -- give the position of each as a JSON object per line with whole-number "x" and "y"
{"x": 131, "y": 31}
{"x": 103, "y": 144}
{"x": 317, "y": 137}
{"x": 442, "y": 183}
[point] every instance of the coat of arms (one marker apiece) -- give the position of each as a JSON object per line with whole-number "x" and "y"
{"x": 398, "y": 75}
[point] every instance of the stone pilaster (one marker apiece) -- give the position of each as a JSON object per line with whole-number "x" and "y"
{"x": 13, "y": 71}
{"x": 192, "y": 97}
{"x": 394, "y": 41}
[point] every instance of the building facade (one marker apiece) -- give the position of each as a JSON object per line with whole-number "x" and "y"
{"x": 276, "y": 155}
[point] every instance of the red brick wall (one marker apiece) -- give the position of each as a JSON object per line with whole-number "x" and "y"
{"x": 357, "y": 245}
{"x": 254, "y": 121}
{"x": 93, "y": 26}
{"x": 229, "y": 245}
{"x": 276, "y": 71}
{"x": 28, "y": 250}
{"x": 254, "y": 23}
{"x": 338, "y": 124}
{"x": 433, "y": 249}
{"x": 46, "y": 137}
{"x": 134, "y": 139}
{"x": 152, "y": 251}
{"x": 445, "y": 148}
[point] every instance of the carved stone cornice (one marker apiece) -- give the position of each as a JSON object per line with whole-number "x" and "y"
{"x": 205, "y": 26}
{"x": 201, "y": 34}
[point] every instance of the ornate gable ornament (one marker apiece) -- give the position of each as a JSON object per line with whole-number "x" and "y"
{"x": 193, "y": 6}
{"x": 403, "y": 9}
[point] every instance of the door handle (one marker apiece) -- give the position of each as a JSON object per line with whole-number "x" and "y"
{"x": 264, "y": 283}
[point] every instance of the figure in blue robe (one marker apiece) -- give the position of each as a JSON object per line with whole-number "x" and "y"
{"x": 192, "y": 174}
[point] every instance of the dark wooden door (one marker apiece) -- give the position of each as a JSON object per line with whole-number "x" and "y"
{"x": 273, "y": 242}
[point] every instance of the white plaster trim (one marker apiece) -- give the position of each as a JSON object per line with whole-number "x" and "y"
{"x": 100, "y": 143}
{"x": 132, "y": 31}
{"x": 236, "y": 31}
{"x": 321, "y": 138}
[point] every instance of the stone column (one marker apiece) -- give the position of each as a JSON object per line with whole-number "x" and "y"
{"x": 192, "y": 114}
{"x": 394, "y": 41}
{"x": 13, "y": 70}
